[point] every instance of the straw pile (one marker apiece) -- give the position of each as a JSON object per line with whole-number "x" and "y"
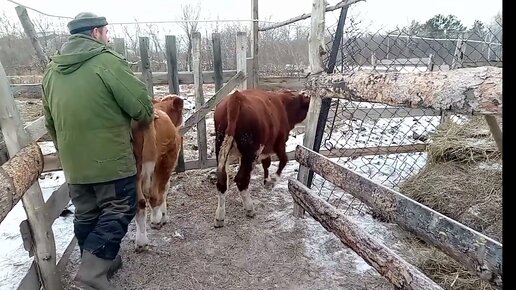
{"x": 462, "y": 180}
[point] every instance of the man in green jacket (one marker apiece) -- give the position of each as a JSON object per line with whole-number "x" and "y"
{"x": 90, "y": 97}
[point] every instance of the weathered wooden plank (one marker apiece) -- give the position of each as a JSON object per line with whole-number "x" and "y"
{"x": 36, "y": 129}
{"x": 254, "y": 44}
{"x": 212, "y": 102}
{"x": 173, "y": 85}
{"x": 202, "y": 142}
{"x": 51, "y": 161}
{"x": 405, "y": 61}
{"x": 316, "y": 47}
{"x": 387, "y": 113}
{"x": 249, "y": 72}
{"x": 31, "y": 282}
{"x": 495, "y": 131}
{"x": 33, "y": 91}
{"x": 28, "y": 27}
{"x": 279, "y": 83}
{"x": 17, "y": 175}
{"x": 389, "y": 264}
{"x": 464, "y": 91}
{"x": 16, "y": 138}
{"x": 241, "y": 56}
{"x": 472, "y": 249}
{"x": 119, "y": 46}
{"x": 307, "y": 15}
{"x": 145, "y": 63}
{"x": 217, "y": 60}
{"x": 57, "y": 202}
{"x": 28, "y": 91}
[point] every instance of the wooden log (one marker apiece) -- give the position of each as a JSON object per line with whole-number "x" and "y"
{"x": 389, "y": 264}
{"x": 28, "y": 27}
{"x": 316, "y": 47}
{"x": 463, "y": 91}
{"x": 202, "y": 142}
{"x": 145, "y": 63}
{"x": 473, "y": 250}
{"x": 16, "y": 138}
{"x": 173, "y": 86}
{"x": 17, "y": 175}
{"x": 308, "y": 15}
{"x": 241, "y": 56}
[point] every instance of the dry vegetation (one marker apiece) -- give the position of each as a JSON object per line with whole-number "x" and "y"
{"x": 462, "y": 180}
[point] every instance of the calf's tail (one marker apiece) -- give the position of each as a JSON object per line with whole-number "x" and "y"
{"x": 233, "y": 112}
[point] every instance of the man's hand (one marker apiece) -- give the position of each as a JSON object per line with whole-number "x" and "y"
{"x": 156, "y": 116}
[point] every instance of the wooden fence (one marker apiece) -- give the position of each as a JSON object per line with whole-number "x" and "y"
{"x": 464, "y": 91}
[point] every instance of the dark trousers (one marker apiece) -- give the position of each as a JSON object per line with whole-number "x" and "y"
{"x": 103, "y": 212}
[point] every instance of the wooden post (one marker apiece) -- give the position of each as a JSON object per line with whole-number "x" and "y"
{"x": 28, "y": 27}
{"x": 241, "y": 55}
{"x": 217, "y": 61}
{"x": 199, "y": 99}
{"x": 458, "y": 55}
{"x": 316, "y": 45}
{"x": 16, "y": 138}
{"x": 119, "y": 46}
{"x": 254, "y": 43}
{"x": 495, "y": 131}
{"x": 173, "y": 85}
{"x": 145, "y": 61}
{"x": 326, "y": 103}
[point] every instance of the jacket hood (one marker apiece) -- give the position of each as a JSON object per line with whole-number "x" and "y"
{"x": 77, "y": 50}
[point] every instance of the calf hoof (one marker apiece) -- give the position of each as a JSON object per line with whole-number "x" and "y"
{"x": 140, "y": 248}
{"x": 250, "y": 213}
{"x": 219, "y": 223}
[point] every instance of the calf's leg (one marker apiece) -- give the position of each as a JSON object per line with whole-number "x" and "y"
{"x": 242, "y": 180}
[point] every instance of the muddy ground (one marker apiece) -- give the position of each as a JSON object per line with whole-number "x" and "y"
{"x": 273, "y": 250}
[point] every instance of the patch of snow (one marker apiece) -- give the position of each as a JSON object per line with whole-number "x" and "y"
{"x": 15, "y": 261}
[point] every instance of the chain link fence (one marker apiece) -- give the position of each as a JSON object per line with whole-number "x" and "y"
{"x": 384, "y": 143}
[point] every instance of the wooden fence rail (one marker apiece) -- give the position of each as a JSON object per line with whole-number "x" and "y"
{"x": 400, "y": 273}
{"x": 475, "y": 251}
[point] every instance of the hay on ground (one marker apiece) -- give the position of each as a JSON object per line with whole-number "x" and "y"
{"x": 462, "y": 180}
{"x": 465, "y": 143}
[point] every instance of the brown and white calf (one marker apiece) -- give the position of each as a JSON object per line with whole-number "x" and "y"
{"x": 252, "y": 125}
{"x": 156, "y": 149}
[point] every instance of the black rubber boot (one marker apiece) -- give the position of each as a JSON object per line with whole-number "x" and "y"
{"x": 93, "y": 272}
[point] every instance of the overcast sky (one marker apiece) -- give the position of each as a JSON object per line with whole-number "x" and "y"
{"x": 376, "y": 13}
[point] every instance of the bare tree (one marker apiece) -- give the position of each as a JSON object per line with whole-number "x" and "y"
{"x": 191, "y": 16}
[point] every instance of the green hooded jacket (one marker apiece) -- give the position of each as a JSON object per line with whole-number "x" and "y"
{"x": 90, "y": 96}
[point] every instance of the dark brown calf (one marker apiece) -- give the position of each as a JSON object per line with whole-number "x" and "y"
{"x": 252, "y": 125}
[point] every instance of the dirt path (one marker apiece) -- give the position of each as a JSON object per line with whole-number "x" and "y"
{"x": 271, "y": 251}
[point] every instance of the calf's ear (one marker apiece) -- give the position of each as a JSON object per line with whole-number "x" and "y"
{"x": 178, "y": 103}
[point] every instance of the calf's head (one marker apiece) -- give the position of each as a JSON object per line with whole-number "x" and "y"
{"x": 172, "y": 105}
{"x": 296, "y": 105}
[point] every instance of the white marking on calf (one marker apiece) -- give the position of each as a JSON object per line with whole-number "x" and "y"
{"x": 147, "y": 172}
{"x": 248, "y": 202}
{"x": 220, "y": 214}
{"x": 141, "y": 229}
